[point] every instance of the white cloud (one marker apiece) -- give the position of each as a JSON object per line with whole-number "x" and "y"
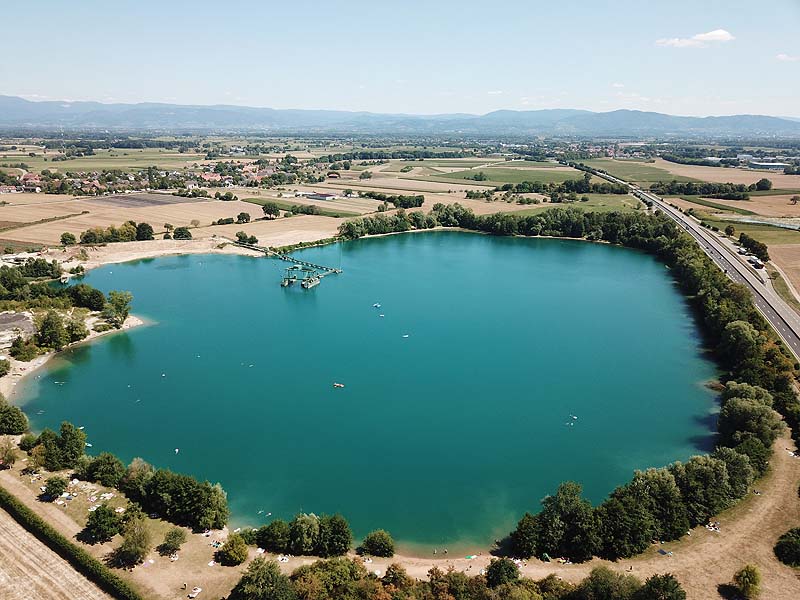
{"x": 700, "y": 40}
{"x": 495, "y": 92}
{"x": 618, "y": 85}
{"x": 787, "y": 58}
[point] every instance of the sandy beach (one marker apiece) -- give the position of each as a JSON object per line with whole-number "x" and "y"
{"x": 20, "y": 370}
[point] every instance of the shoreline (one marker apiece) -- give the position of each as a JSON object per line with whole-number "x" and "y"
{"x": 20, "y": 370}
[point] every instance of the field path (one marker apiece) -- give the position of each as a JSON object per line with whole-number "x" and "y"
{"x": 29, "y": 570}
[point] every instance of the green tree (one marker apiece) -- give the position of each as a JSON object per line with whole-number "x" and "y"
{"x": 730, "y": 230}
{"x": 763, "y": 184}
{"x": 54, "y": 487}
{"x": 335, "y": 537}
{"x": 365, "y": 175}
{"x": 182, "y": 233}
{"x": 740, "y": 473}
{"x": 233, "y": 551}
{"x": 106, "y": 469}
{"x": 24, "y": 350}
{"x": 136, "y": 542}
{"x": 378, "y": 543}
{"x": 304, "y": 534}
{"x": 173, "y": 540}
{"x": 71, "y": 443}
{"x": 68, "y": 239}
{"x": 8, "y": 454}
{"x": 270, "y": 209}
{"x": 274, "y": 537}
{"x": 103, "y": 523}
{"x": 524, "y": 539}
{"x": 664, "y": 502}
{"x": 76, "y": 329}
{"x": 758, "y": 454}
{"x": 144, "y": 231}
{"x": 51, "y": 332}
{"x": 604, "y": 584}
{"x": 12, "y": 420}
{"x": 263, "y": 580}
{"x": 5, "y": 367}
{"x": 705, "y": 487}
{"x": 748, "y": 580}
{"x": 500, "y": 571}
{"x": 243, "y": 217}
{"x": 788, "y": 548}
{"x": 567, "y": 525}
{"x": 117, "y": 308}
{"x": 741, "y": 418}
{"x": 661, "y": 587}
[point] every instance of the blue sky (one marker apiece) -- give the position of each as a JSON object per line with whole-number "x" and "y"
{"x": 687, "y": 57}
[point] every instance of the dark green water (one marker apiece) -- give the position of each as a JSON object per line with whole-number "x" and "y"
{"x": 446, "y": 436}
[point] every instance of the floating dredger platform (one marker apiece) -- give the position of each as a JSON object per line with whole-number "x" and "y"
{"x": 308, "y": 274}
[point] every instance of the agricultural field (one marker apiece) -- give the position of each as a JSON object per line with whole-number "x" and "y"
{"x": 596, "y": 203}
{"x": 500, "y": 175}
{"x": 725, "y": 175}
{"x": 635, "y": 171}
{"x": 122, "y": 159}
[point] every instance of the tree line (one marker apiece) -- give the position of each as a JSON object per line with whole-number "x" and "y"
{"x": 348, "y": 579}
{"x": 724, "y": 191}
{"x": 758, "y": 370}
{"x": 387, "y": 155}
{"x": 399, "y": 201}
{"x": 759, "y": 249}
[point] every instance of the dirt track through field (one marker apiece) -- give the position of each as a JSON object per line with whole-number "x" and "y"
{"x": 29, "y": 570}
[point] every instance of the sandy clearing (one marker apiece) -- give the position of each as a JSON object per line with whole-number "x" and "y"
{"x": 723, "y": 175}
{"x": 29, "y": 570}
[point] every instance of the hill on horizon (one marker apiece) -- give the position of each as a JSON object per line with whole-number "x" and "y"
{"x": 17, "y": 112}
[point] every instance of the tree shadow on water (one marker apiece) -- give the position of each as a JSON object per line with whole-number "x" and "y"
{"x": 707, "y": 442}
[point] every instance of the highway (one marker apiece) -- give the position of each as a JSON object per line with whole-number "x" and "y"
{"x": 780, "y": 315}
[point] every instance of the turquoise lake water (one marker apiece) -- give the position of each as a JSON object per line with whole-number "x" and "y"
{"x": 444, "y": 437}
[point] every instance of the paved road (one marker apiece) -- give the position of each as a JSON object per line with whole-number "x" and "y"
{"x": 782, "y": 317}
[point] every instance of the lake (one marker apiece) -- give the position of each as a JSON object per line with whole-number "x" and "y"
{"x": 494, "y": 369}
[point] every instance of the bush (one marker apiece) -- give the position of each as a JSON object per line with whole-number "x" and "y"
{"x": 378, "y": 543}
{"x": 748, "y": 580}
{"x": 181, "y": 233}
{"x": 5, "y": 367}
{"x": 173, "y": 540}
{"x": 274, "y": 537}
{"x": 135, "y": 543}
{"x": 80, "y": 560}
{"x": 501, "y": 571}
{"x": 263, "y": 580}
{"x": 12, "y": 420}
{"x": 8, "y": 454}
{"x": 24, "y": 350}
{"x": 233, "y": 551}
{"x": 106, "y": 469}
{"x": 102, "y": 524}
{"x": 788, "y": 548}
{"x": 661, "y": 587}
{"x": 54, "y": 487}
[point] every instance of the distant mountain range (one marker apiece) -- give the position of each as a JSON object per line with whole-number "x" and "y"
{"x": 16, "y": 113}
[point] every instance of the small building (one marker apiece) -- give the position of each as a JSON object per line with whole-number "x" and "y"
{"x": 316, "y": 196}
{"x": 772, "y": 166}
{"x": 333, "y": 175}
